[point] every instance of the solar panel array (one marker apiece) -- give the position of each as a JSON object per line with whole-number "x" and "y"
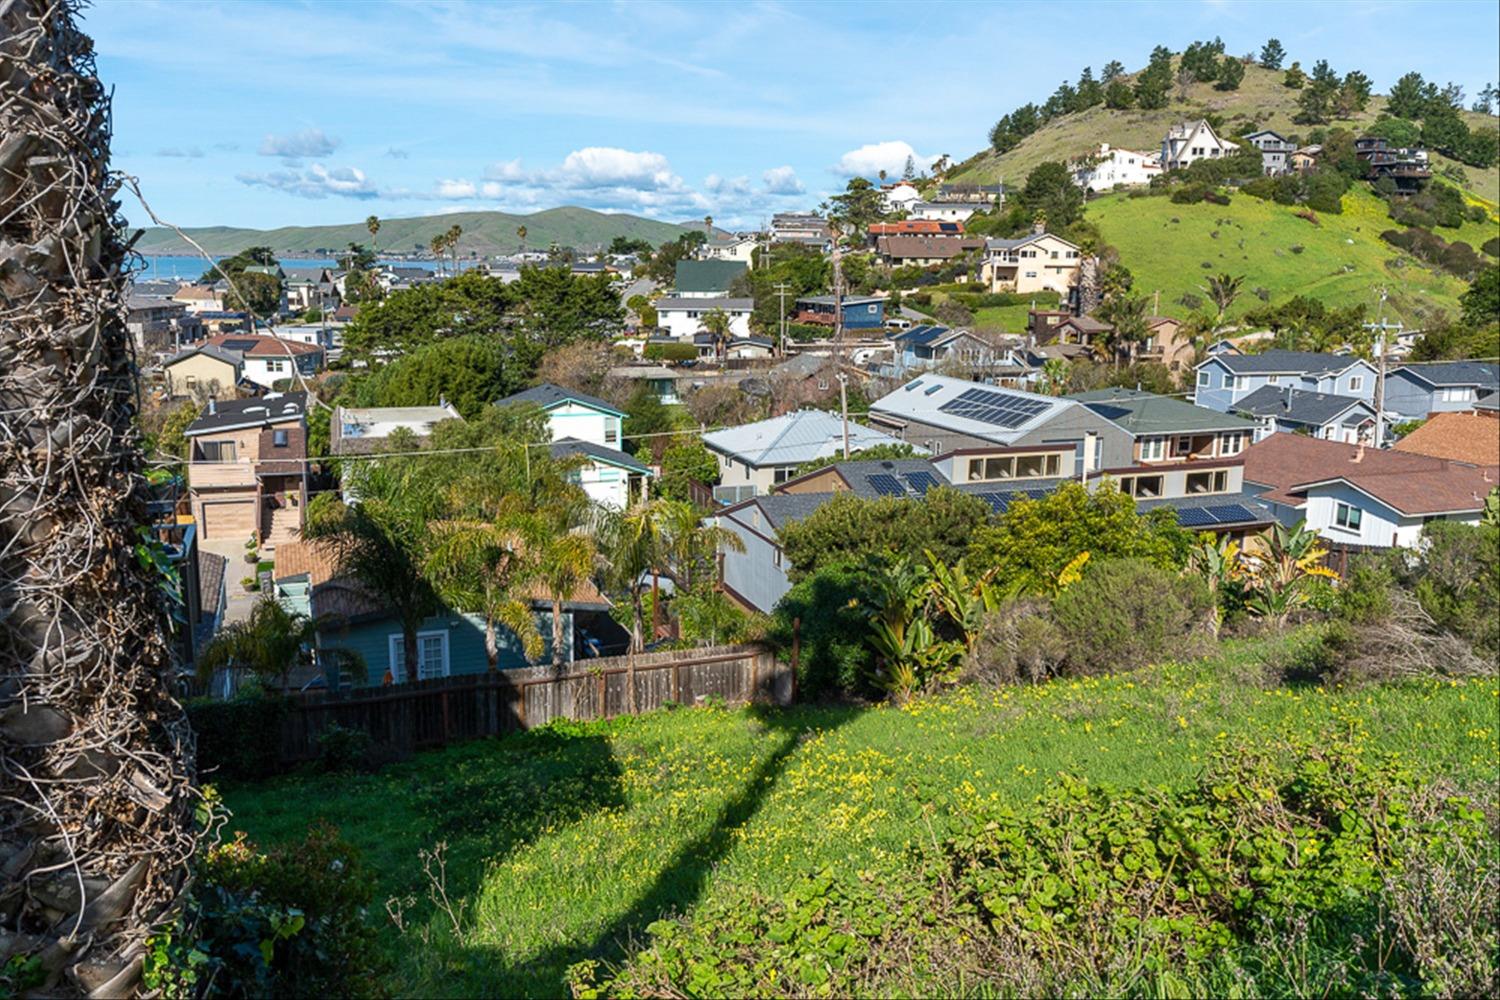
{"x": 1003, "y": 409}
{"x": 1000, "y": 501}
{"x": 238, "y": 345}
{"x": 1229, "y": 513}
{"x": 1203, "y": 517}
{"x": 886, "y": 485}
{"x": 921, "y": 482}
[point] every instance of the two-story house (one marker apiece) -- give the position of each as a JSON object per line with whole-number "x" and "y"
{"x": 200, "y": 298}
{"x": 311, "y": 288}
{"x": 942, "y": 211}
{"x": 899, "y": 197}
{"x": 1110, "y": 168}
{"x": 706, "y": 279}
{"x": 1294, "y": 410}
{"x": 754, "y": 458}
{"x": 161, "y": 326}
{"x": 682, "y": 318}
{"x": 587, "y": 429}
{"x": 1416, "y": 390}
{"x": 1039, "y": 262}
{"x": 268, "y": 360}
{"x": 729, "y": 246}
{"x": 1225, "y": 379}
{"x": 1192, "y": 141}
{"x": 1275, "y": 151}
{"x": 928, "y": 346}
{"x": 203, "y": 368}
{"x": 801, "y": 227}
{"x": 247, "y": 468}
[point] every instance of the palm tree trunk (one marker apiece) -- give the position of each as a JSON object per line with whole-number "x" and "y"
{"x": 96, "y": 795}
{"x": 557, "y": 634}
{"x": 491, "y": 645}
{"x": 637, "y": 640}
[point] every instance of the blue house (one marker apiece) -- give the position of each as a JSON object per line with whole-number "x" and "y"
{"x": 860, "y": 312}
{"x": 1225, "y": 379}
{"x": 927, "y": 346}
{"x": 1301, "y": 411}
{"x": 587, "y": 426}
{"x": 1416, "y": 390}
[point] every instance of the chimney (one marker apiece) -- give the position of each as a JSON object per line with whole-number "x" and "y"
{"x": 442, "y": 401}
{"x": 1359, "y": 456}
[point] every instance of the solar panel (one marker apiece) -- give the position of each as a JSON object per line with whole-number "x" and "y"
{"x": 886, "y": 485}
{"x": 1194, "y": 517}
{"x": 998, "y": 501}
{"x": 238, "y": 345}
{"x": 1230, "y": 513}
{"x": 922, "y": 481}
{"x": 1037, "y": 494}
{"x": 1002, "y": 409}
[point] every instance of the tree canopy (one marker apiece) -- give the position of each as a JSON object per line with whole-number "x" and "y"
{"x": 849, "y": 528}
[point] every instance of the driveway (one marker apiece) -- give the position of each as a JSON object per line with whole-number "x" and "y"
{"x": 238, "y": 601}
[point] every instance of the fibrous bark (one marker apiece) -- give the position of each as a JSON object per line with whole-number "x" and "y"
{"x": 96, "y": 789}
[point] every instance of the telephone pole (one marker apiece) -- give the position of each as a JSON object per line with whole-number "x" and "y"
{"x": 844, "y": 408}
{"x": 1380, "y": 327}
{"x": 838, "y": 298}
{"x": 781, "y": 290}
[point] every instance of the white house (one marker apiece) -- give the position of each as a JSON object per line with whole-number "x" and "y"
{"x": 899, "y": 197}
{"x": 363, "y": 430}
{"x": 587, "y": 427}
{"x": 683, "y": 317}
{"x": 1111, "y": 167}
{"x": 723, "y": 246}
{"x": 1193, "y": 141}
{"x": 755, "y": 458}
{"x": 269, "y": 360}
{"x": 942, "y": 211}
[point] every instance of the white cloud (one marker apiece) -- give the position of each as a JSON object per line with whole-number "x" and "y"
{"x": 310, "y": 142}
{"x": 316, "y": 182}
{"x": 782, "y": 180}
{"x": 870, "y": 159}
{"x": 505, "y": 170}
{"x": 455, "y": 190}
{"x": 607, "y": 166}
{"x": 187, "y": 153}
{"x": 726, "y": 186}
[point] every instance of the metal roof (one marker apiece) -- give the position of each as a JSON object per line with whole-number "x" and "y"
{"x": 792, "y": 438}
{"x": 924, "y": 399}
{"x": 1147, "y": 413}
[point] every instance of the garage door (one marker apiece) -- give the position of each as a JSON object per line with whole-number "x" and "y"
{"x": 228, "y": 519}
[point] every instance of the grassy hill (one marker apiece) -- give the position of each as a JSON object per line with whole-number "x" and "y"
{"x": 484, "y": 232}
{"x": 1261, "y": 100}
{"x": 1342, "y": 260}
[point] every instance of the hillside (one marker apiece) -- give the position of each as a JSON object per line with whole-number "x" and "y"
{"x": 1261, "y": 99}
{"x": 1342, "y": 260}
{"x": 483, "y": 232}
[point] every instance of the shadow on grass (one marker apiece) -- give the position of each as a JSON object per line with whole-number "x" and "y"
{"x": 683, "y": 878}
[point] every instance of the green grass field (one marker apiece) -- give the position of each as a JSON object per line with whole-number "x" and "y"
{"x": 565, "y": 843}
{"x": 1343, "y": 260}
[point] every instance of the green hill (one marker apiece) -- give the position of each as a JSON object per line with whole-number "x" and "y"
{"x": 1261, "y": 100}
{"x": 1171, "y": 249}
{"x": 483, "y": 232}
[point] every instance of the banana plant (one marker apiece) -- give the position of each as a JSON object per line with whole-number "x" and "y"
{"x": 1290, "y": 558}
{"x": 1218, "y": 561}
{"x": 912, "y": 655}
{"x": 964, "y": 600}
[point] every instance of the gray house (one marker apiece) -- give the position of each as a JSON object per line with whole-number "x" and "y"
{"x": 1413, "y": 391}
{"x": 1302, "y": 411}
{"x": 1274, "y": 150}
{"x": 1225, "y": 379}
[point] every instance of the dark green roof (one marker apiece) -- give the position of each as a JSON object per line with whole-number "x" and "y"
{"x": 707, "y": 275}
{"x": 1145, "y": 413}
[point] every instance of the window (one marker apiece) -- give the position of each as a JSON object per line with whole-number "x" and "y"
{"x": 1347, "y": 516}
{"x": 1356, "y": 383}
{"x": 1184, "y": 446}
{"x": 1457, "y": 394}
{"x": 217, "y": 451}
{"x": 432, "y": 656}
{"x": 1232, "y": 443}
{"x": 1273, "y": 379}
{"x": 190, "y": 381}
{"x": 776, "y": 557}
{"x": 1031, "y": 466}
{"x": 1031, "y": 274}
{"x": 611, "y": 432}
{"x": 1144, "y": 487}
{"x": 1153, "y": 449}
{"x": 1208, "y": 482}
{"x": 275, "y": 365}
{"x": 1205, "y": 380}
{"x": 1242, "y": 381}
{"x": 278, "y": 438}
{"x": 783, "y": 473}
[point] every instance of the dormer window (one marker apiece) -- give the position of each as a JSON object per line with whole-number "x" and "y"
{"x": 279, "y": 438}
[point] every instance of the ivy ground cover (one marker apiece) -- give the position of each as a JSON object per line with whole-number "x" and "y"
{"x": 566, "y": 844}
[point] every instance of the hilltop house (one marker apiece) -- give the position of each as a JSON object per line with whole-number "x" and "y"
{"x": 269, "y": 360}
{"x": 1040, "y": 262}
{"x": 754, "y": 458}
{"x": 1415, "y": 390}
{"x": 588, "y": 428}
{"x": 1192, "y": 141}
{"x": 799, "y": 227}
{"x": 860, "y": 312}
{"x": 1293, "y": 410}
{"x": 247, "y": 464}
{"x": 727, "y": 246}
{"x": 1226, "y": 378}
{"x": 978, "y": 194}
{"x": 1355, "y": 495}
{"x": 899, "y": 197}
{"x": 1407, "y": 168}
{"x": 682, "y": 318}
{"x": 1110, "y": 168}
{"x": 706, "y": 279}
{"x": 1304, "y": 158}
{"x": 1275, "y": 151}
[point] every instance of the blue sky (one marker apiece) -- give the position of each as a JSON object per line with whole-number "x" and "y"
{"x": 267, "y": 114}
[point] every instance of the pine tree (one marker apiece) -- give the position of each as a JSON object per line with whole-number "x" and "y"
{"x": 1407, "y": 97}
{"x": 1112, "y": 69}
{"x": 1272, "y": 54}
{"x": 1294, "y": 79}
{"x": 1231, "y": 74}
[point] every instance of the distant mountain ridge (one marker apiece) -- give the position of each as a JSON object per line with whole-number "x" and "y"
{"x": 483, "y": 232}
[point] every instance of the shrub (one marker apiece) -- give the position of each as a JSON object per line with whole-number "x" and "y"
{"x": 832, "y": 604}
{"x": 670, "y": 352}
{"x": 342, "y": 749}
{"x": 1018, "y": 641}
{"x": 239, "y": 738}
{"x": 1492, "y": 246}
{"x": 1126, "y": 613}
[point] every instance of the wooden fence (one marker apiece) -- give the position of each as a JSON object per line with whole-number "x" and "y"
{"x": 436, "y": 712}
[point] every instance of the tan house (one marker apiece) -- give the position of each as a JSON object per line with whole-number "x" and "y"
{"x": 206, "y": 368}
{"x": 200, "y": 298}
{"x": 923, "y": 251}
{"x": 1164, "y": 343}
{"x": 1040, "y": 262}
{"x": 247, "y": 468}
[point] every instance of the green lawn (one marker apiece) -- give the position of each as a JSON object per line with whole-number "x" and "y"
{"x": 1342, "y": 261}
{"x": 565, "y": 843}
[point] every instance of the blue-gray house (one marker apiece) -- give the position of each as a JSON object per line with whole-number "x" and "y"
{"x": 1416, "y": 390}
{"x": 1302, "y": 411}
{"x": 1225, "y": 379}
{"x": 860, "y": 312}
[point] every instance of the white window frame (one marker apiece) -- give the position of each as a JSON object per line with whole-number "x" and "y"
{"x": 1347, "y": 517}
{"x": 1242, "y": 381}
{"x": 1205, "y": 380}
{"x": 611, "y": 432}
{"x": 1153, "y": 449}
{"x": 396, "y": 647}
{"x": 1356, "y": 383}
{"x": 1232, "y": 443}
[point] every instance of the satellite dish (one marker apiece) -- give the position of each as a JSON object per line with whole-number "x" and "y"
{"x": 753, "y": 386}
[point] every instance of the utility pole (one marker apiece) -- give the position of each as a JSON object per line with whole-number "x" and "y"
{"x": 838, "y": 298}
{"x": 781, "y": 290}
{"x": 844, "y": 408}
{"x": 1380, "y": 328}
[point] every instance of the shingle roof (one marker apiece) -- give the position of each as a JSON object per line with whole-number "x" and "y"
{"x": 1462, "y": 437}
{"x": 563, "y": 447}
{"x": 1299, "y": 406}
{"x": 207, "y": 350}
{"x": 1146, "y": 413}
{"x": 1485, "y": 374}
{"x": 1410, "y": 483}
{"x": 548, "y": 395}
{"x": 792, "y": 438}
{"x": 255, "y": 345}
{"x": 801, "y": 366}
{"x": 272, "y": 408}
{"x": 1021, "y": 241}
{"x": 703, "y": 304}
{"x": 1279, "y": 362}
{"x": 782, "y": 509}
{"x": 707, "y": 275}
{"x": 926, "y": 246}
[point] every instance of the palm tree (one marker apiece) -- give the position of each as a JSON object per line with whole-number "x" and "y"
{"x": 96, "y": 796}
{"x": 716, "y": 322}
{"x": 521, "y": 232}
{"x": 562, "y": 562}
{"x": 1127, "y": 314}
{"x": 634, "y": 541}
{"x": 372, "y": 223}
{"x": 270, "y": 643}
{"x": 483, "y": 566}
{"x": 690, "y": 541}
{"x": 1222, "y": 290}
{"x": 438, "y": 245}
{"x": 454, "y": 232}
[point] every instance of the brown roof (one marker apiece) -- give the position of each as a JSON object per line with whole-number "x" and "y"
{"x": 1462, "y": 437}
{"x": 917, "y": 227}
{"x": 264, "y": 347}
{"x": 1409, "y": 483}
{"x": 925, "y": 246}
{"x": 314, "y": 559}
{"x": 196, "y": 293}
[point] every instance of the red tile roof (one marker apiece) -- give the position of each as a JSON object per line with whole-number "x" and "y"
{"x": 1462, "y": 437}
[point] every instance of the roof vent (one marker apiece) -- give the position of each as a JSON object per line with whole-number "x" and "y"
{"x": 213, "y": 406}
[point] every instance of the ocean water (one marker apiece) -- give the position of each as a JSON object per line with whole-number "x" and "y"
{"x": 190, "y": 268}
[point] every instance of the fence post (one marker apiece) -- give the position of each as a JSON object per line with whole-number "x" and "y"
{"x": 796, "y": 654}
{"x": 603, "y": 697}
{"x": 677, "y": 683}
